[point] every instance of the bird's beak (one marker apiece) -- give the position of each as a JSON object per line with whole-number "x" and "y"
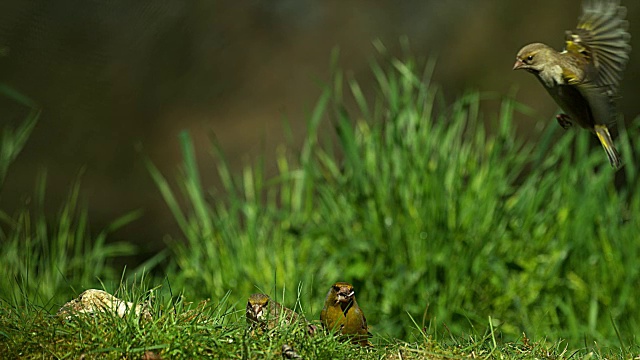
{"x": 257, "y": 309}
{"x": 342, "y": 297}
{"x": 519, "y": 64}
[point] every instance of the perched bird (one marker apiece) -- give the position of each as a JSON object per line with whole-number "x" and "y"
{"x": 342, "y": 314}
{"x": 267, "y": 313}
{"x": 584, "y": 78}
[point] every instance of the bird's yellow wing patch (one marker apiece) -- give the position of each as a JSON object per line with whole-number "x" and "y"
{"x": 570, "y": 77}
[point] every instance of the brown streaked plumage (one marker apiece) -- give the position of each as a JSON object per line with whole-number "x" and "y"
{"x": 267, "y": 314}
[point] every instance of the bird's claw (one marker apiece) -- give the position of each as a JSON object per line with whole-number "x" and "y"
{"x": 564, "y": 120}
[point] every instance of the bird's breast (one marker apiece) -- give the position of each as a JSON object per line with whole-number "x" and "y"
{"x": 572, "y": 103}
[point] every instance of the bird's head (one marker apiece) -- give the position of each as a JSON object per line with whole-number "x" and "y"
{"x": 343, "y": 291}
{"x": 256, "y": 305}
{"x": 533, "y": 57}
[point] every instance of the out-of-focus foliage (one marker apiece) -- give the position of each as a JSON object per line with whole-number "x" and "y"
{"x": 42, "y": 259}
{"x": 112, "y": 74}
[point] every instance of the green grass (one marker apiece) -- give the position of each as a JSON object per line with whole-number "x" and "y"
{"x": 458, "y": 235}
{"x": 210, "y": 330}
{"x": 13, "y": 140}
{"x": 183, "y": 330}
{"x": 428, "y": 213}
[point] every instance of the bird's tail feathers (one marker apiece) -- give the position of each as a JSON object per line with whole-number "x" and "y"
{"x": 607, "y": 143}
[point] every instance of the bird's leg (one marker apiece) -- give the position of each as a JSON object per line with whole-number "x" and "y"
{"x": 564, "y": 120}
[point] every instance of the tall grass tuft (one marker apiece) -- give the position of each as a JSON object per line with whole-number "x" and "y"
{"x": 41, "y": 260}
{"x": 12, "y": 141}
{"x": 44, "y": 261}
{"x": 432, "y": 209}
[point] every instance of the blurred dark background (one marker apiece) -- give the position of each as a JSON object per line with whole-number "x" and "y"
{"x": 116, "y": 75}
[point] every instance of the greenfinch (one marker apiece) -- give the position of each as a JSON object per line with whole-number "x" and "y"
{"x": 584, "y": 78}
{"x": 342, "y": 314}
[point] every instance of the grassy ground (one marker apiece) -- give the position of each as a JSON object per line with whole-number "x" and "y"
{"x": 180, "y": 330}
{"x": 458, "y": 236}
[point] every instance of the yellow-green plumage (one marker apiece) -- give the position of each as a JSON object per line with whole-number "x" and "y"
{"x": 584, "y": 78}
{"x": 342, "y": 314}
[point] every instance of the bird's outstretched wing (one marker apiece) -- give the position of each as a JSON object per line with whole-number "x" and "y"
{"x": 602, "y": 38}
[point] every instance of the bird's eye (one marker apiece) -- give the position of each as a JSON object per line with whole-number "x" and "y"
{"x": 530, "y": 57}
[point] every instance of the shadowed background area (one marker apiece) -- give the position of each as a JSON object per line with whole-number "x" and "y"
{"x": 113, "y": 76}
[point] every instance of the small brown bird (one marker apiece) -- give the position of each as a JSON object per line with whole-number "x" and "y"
{"x": 584, "y": 78}
{"x": 267, "y": 313}
{"x": 341, "y": 313}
